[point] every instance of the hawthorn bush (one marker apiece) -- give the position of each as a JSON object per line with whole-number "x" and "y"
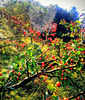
{"x": 49, "y": 69}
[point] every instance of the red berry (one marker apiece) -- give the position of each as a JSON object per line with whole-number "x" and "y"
{"x": 17, "y": 78}
{"x": 82, "y": 71}
{"x": 35, "y": 82}
{"x": 74, "y": 77}
{"x": 42, "y": 63}
{"x": 61, "y": 78}
{"x": 50, "y": 97}
{"x": 50, "y": 64}
{"x": 24, "y": 32}
{"x": 65, "y": 78}
{"x": 82, "y": 60}
{"x": 67, "y": 87}
{"x": 8, "y": 97}
{"x": 63, "y": 70}
{"x": 52, "y": 67}
{"x": 71, "y": 22}
{"x": 71, "y": 63}
{"x": 68, "y": 26}
{"x": 46, "y": 82}
{"x": 19, "y": 74}
{"x": 40, "y": 58}
{"x": 46, "y": 57}
{"x": 13, "y": 71}
{"x": 71, "y": 68}
{"x": 53, "y": 57}
{"x": 60, "y": 61}
{"x": 62, "y": 74}
{"x": 20, "y": 68}
{"x": 79, "y": 46}
{"x": 71, "y": 60}
{"x": 58, "y": 84}
{"x": 65, "y": 64}
{"x": 0, "y": 74}
{"x": 78, "y": 97}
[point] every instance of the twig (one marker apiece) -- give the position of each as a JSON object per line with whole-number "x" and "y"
{"x": 75, "y": 96}
{"x": 56, "y": 69}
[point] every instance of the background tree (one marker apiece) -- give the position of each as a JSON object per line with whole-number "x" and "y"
{"x": 74, "y": 13}
{"x": 61, "y": 14}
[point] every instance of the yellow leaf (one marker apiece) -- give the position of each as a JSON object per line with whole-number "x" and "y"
{"x": 54, "y": 94}
{"x": 77, "y": 21}
{"x": 72, "y": 35}
{"x": 28, "y": 24}
{"x": 3, "y": 52}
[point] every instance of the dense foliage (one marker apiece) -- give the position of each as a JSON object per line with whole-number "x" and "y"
{"x": 32, "y": 68}
{"x": 69, "y": 16}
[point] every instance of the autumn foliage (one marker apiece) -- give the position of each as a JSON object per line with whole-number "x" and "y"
{"x": 45, "y": 69}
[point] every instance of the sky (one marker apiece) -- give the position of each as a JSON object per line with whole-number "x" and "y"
{"x": 65, "y": 4}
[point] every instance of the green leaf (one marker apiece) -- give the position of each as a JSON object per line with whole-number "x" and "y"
{"x": 51, "y": 87}
{"x": 70, "y": 25}
{"x": 81, "y": 49}
{"x": 65, "y": 59}
{"x": 15, "y": 61}
{"x": 57, "y": 43}
{"x": 15, "y": 67}
{"x": 42, "y": 78}
{"x": 2, "y": 94}
{"x": 33, "y": 63}
{"x": 60, "y": 23}
{"x": 74, "y": 40}
{"x": 79, "y": 72}
{"x": 55, "y": 98}
{"x": 29, "y": 48}
{"x": 36, "y": 46}
{"x": 11, "y": 64}
{"x": 4, "y": 73}
{"x": 27, "y": 51}
{"x": 23, "y": 61}
{"x": 3, "y": 84}
{"x": 78, "y": 52}
{"x": 53, "y": 44}
{"x": 79, "y": 68}
{"x": 31, "y": 54}
{"x": 71, "y": 28}
{"x": 16, "y": 57}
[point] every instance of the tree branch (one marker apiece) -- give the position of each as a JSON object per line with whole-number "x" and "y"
{"x": 81, "y": 93}
{"x": 28, "y": 79}
{"x": 53, "y": 70}
{"x": 20, "y": 84}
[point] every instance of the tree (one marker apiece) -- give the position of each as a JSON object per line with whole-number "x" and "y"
{"x": 61, "y": 14}
{"x": 44, "y": 69}
{"x": 74, "y": 13}
{"x": 83, "y": 26}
